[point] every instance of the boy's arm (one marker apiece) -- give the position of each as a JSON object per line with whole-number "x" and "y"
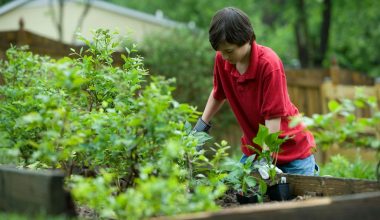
{"x": 273, "y": 124}
{"x": 212, "y": 107}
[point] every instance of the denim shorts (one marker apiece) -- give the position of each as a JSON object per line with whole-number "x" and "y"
{"x": 306, "y": 166}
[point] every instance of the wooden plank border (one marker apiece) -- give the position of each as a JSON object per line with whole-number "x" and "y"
{"x": 358, "y": 206}
{"x": 34, "y": 192}
{"x": 328, "y": 186}
{"x": 343, "y": 199}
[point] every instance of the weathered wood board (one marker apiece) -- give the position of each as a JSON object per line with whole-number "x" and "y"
{"x": 34, "y": 192}
{"x": 335, "y": 198}
{"x": 357, "y": 206}
{"x": 328, "y": 186}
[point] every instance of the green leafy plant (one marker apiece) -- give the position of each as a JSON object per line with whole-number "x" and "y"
{"x": 166, "y": 192}
{"x": 339, "y": 166}
{"x": 207, "y": 167}
{"x": 191, "y": 67}
{"x": 240, "y": 178}
{"x": 341, "y": 126}
{"x": 344, "y": 128}
{"x": 84, "y": 114}
{"x": 270, "y": 144}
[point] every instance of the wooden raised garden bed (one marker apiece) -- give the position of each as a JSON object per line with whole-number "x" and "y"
{"x": 34, "y": 192}
{"x": 25, "y": 191}
{"x": 331, "y": 198}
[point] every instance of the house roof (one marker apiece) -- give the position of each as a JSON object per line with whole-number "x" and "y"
{"x": 159, "y": 20}
{"x": 11, "y": 6}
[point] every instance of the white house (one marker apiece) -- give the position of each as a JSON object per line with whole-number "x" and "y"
{"x": 41, "y": 17}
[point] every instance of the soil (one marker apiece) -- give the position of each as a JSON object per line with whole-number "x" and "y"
{"x": 86, "y": 213}
{"x": 229, "y": 199}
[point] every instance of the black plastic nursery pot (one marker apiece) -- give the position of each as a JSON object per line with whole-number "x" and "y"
{"x": 279, "y": 192}
{"x": 246, "y": 199}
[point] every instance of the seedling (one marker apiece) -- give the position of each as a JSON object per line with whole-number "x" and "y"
{"x": 270, "y": 143}
{"x": 241, "y": 180}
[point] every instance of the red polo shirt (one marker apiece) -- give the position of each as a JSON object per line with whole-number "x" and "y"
{"x": 260, "y": 94}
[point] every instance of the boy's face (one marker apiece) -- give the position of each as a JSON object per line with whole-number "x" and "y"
{"x": 232, "y": 53}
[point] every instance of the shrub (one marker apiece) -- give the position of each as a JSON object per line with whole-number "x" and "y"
{"x": 341, "y": 126}
{"x": 188, "y": 57}
{"x": 339, "y": 166}
{"x": 84, "y": 113}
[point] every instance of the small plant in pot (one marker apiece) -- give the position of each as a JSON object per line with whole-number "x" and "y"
{"x": 248, "y": 189}
{"x": 279, "y": 191}
{"x": 266, "y": 161}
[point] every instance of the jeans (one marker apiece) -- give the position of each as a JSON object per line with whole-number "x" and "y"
{"x": 306, "y": 166}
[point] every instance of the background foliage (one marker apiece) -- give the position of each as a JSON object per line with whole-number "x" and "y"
{"x": 339, "y": 166}
{"x": 185, "y": 55}
{"x": 352, "y": 42}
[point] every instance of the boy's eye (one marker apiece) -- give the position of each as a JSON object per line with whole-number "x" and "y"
{"x": 229, "y": 51}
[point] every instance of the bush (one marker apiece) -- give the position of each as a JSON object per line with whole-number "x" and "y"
{"x": 342, "y": 127}
{"x": 339, "y": 166}
{"x": 188, "y": 57}
{"x": 84, "y": 113}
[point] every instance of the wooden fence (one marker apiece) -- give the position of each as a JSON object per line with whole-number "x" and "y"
{"x": 311, "y": 89}
{"x": 37, "y": 44}
{"x": 42, "y": 45}
{"x": 331, "y": 91}
{"x": 304, "y": 87}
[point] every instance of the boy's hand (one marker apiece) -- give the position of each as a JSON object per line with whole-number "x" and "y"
{"x": 201, "y": 126}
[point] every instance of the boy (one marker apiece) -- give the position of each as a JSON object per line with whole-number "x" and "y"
{"x": 252, "y": 78}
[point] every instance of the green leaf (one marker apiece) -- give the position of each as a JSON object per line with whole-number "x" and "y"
{"x": 261, "y": 135}
{"x": 251, "y": 181}
{"x": 334, "y": 106}
{"x": 32, "y": 117}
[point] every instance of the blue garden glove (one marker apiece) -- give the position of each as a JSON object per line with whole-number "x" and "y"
{"x": 263, "y": 168}
{"x": 201, "y": 126}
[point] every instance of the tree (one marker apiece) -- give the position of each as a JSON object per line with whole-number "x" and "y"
{"x": 58, "y": 17}
{"x": 312, "y": 32}
{"x": 312, "y": 48}
{"x": 355, "y": 34}
{"x": 87, "y": 5}
{"x": 3, "y": 2}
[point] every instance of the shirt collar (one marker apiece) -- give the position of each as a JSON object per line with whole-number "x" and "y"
{"x": 252, "y": 67}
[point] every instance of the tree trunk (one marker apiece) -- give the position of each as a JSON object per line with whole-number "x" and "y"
{"x": 302, "y": 36}
{"x": 60, "y": 22}
{"x": 87, "y": 6}
{"x": 324, "y": 34}
{"x": 58, "y": 19}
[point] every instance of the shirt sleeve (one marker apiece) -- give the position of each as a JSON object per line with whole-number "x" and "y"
{"x": 275, "y": 95}
{"x": 218, "y": 92}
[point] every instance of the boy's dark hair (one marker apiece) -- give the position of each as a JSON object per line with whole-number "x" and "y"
{"x": 231, "y": 25}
